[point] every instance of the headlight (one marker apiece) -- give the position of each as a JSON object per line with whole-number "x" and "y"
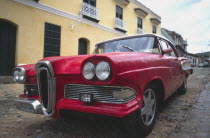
{"x": 19, "y": 75}
{"x": 89, "y": 70}
{"x": 15, "y": 75}
{"x": 102, "y": 70}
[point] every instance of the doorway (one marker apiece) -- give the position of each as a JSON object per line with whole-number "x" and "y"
{"x": 8, "y": 32}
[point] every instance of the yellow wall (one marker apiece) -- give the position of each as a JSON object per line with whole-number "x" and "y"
{"x": 107, "y": 13}
{"x": 71, "y": 6}
{"x": 30, "y": 22}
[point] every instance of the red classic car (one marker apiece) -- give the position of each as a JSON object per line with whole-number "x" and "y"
{"x": 127, "y": 77}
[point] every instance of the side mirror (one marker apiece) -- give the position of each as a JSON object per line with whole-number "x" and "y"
{"x": 167, "y": 51}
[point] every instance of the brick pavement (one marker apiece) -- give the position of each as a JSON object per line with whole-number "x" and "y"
{"x": 197, "y": 122}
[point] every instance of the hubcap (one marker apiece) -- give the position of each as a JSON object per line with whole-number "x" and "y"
{"x": 148, "y": 107}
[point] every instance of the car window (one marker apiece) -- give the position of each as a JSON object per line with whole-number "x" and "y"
{"x": 156, "y": 48}
{"x": 173, "y": 53}
{"x": 138, "y": 44}
{"x": 163, "y": 44}
{"x": 166, "y": 45}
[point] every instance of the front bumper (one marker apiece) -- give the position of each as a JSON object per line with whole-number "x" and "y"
{"x": 28, "y": 105}
{"x": 115, "y": 110}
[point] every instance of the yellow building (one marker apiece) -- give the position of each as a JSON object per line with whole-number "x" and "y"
{"x": 33, "y": 29}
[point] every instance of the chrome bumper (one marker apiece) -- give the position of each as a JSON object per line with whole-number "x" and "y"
{"x": 28, "y": 105}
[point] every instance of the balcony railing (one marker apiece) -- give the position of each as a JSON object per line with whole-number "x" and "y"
{"x": 120, "y": 24}
{"x": 140, "y": 31}
{"x": 90, "y": 11}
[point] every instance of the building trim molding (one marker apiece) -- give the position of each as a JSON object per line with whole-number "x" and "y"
{"x": 67, "y": 15}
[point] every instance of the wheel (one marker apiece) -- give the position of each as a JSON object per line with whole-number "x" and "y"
{"x": 183, "y": 88}
{"x": 141, "y": 122}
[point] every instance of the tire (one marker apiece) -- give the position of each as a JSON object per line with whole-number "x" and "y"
{"x": 183, "y": 88}
{"x": 141, "y": 122}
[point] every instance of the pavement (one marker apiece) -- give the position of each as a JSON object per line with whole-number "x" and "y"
{"x": 197, "y": 121}
{"x": 182, "y": 116}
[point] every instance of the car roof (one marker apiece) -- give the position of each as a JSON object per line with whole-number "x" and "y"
{"x": 133, "y": 36}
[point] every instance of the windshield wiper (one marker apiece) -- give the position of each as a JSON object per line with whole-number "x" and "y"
{"x": 131, "y": 49}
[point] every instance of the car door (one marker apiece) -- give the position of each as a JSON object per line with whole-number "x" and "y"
{"x": 171, "y": 63}
{"x": 177, "y": 64}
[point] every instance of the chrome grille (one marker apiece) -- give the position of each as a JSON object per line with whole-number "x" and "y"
{"x": 46, "y": 86}
{"x": 100, "y": 93}
{"x": 43, "y": 85}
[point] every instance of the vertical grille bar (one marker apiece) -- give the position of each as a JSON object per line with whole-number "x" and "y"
{"x": 43, "y": 83}
{"x": 46, "y": 86}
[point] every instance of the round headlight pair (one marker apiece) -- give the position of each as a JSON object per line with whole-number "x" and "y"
{"x": 101, "y": 70}
{"x": 19, "y": 75}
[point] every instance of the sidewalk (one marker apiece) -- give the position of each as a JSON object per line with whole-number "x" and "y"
{"x": 6, "y": 79}
{"x": 197, "y": 122}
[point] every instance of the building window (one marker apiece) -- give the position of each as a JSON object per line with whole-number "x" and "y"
{"x": 119, "y": 25}
{"x": 153, "y": 29}
{"x": 119, "y": 12}
{"x": 90, "y": 2}
{"x": 52, "y": 36}
{"x": 83, "y": 47}
{"x": 139, "y": 23}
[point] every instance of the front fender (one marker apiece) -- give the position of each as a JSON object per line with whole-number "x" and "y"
{"x": 142, "y": 77}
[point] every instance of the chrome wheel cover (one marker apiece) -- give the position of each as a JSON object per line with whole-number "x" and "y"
{"x": 149, "y": 107}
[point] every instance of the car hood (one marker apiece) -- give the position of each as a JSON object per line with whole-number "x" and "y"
{"x": 124, "y": 60}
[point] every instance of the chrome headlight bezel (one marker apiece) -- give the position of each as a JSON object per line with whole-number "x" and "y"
{"x": 19, "y": 75}
{"x": 186, "y": 65}
{"x": 88, "y": 73}
{"x": 103, "y": 70}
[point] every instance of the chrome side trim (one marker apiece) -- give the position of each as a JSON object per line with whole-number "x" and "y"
{"x": 28, "y": 105}
{"x": 50, "y": 110}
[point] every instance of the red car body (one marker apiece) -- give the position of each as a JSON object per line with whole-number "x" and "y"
{"x": 130, "y": 69}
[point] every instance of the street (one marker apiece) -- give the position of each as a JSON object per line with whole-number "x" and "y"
{"x": 181, "y": 116}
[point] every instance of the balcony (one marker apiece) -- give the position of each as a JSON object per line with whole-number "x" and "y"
{"x": 120, "y": 25}
{"x": 90, "y": 12}
{"x": 155, "y": 21}
{"x": 140, "y": 31}
{"x": 141, "y": 12}
{"x": 123, "y": 2}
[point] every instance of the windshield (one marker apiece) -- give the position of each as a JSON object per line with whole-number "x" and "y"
{"x": 138, "y": 44}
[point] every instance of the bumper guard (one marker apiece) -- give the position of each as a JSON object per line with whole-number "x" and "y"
{"x": 28, "y": 105}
